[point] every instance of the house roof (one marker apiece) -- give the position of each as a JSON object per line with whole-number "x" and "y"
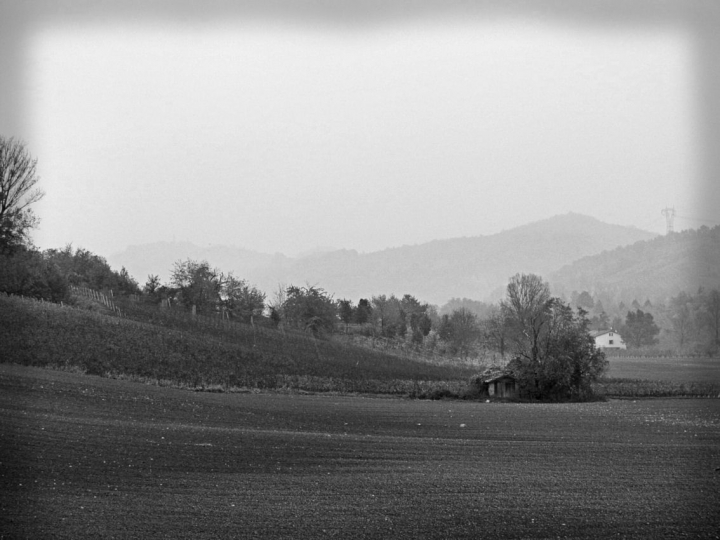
{"x": 598, "y": 333}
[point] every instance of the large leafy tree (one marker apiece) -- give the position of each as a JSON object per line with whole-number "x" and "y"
{"x": 415, "y": 314}
{"x": 18, "y": 181}
{"x": 389, "y": 316}
{"x": 462, "y": 331}
{"x": 555, "y": 356}
{"x": 310, "y": 308}
{"x": 639, "y": 329}
{"x": 346, "y": 311}
{"x": 363, "y": 311}
{"x": 199, "y": 284}
{"x": 570, "y": 360}
{"x": 241, "y": 300}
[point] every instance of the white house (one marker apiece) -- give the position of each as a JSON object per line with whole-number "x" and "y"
{"x": 608, "y": 339}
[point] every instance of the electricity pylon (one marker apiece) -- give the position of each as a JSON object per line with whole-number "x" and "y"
{"x": 669, "y": 214}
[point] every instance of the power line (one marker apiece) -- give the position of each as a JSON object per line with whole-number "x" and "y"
{"x": 700, "y": 220}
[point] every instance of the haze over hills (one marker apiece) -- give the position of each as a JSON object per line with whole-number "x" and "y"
{"x": 655, "y": 269}
{"x": 472, "y": 267}
{"x": 158, "y": 258}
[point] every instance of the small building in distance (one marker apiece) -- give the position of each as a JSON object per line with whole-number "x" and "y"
{"x": 502, "y": 386}
{"x": 608, "y": 339}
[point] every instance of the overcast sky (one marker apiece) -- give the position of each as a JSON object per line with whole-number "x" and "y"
{"x": 283, "y": 134}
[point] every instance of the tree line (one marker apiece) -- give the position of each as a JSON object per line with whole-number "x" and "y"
{"x": 685, "y": 323}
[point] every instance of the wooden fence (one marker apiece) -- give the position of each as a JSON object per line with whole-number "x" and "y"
{"x": 98, "y": 297}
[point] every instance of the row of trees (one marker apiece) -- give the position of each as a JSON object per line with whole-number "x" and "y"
{"x": 553, "y": 353}
{"x": 195, "y": 284}
{"x": 49, "y": 274}
{"x": 695, "y": 320}
{"x": 685, "y": 323}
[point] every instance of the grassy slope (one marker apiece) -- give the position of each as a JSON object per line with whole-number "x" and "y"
{"x": 169, "y": 349}
{"x": 87, "y": 457}
{"x": 174, "y": 350}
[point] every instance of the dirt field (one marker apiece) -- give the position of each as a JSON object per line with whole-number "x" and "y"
{"x": 86, "y": 457}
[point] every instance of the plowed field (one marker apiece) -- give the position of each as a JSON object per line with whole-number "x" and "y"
{"x": 87, "y": 457}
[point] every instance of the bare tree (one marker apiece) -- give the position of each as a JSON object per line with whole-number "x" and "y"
{"x": 527, "y": 311}
{"x": 17, "y": 177}
{"x": 17, "y": 191}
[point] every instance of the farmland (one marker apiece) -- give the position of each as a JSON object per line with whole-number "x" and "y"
{"x": 84, "y": 456}
{"x": 680, "y": 369}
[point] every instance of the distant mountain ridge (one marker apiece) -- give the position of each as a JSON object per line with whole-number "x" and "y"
{"x": 652, "y": 270}
{"x": 472, "y": 267}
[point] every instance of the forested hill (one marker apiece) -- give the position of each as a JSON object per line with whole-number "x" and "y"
{"x": 654, "y": 269}
{"x": 434, "y": 272}
{"x": 471, "y": 267}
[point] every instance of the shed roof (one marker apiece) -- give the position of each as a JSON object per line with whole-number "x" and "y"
{"x": 498, "y": 377}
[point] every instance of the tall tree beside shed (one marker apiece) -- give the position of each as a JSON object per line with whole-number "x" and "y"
{"x": 526, "y": 311}
{"x": 571, "y": 362}
{"x": 555, "y": 356}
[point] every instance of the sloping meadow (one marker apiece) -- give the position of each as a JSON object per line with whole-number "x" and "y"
{"x": 205, "y": 353}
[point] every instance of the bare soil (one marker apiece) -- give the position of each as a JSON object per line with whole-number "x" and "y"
{"x": 88, "y": 457}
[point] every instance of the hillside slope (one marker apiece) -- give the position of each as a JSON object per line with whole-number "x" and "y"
{"x": 655, "y": 269}
{"x": 169, "y": 347}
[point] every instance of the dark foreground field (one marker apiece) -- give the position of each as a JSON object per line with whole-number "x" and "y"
{"x": 87, "y": 457}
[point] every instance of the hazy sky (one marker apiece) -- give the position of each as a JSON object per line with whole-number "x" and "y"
{"x": 288, "y": 133}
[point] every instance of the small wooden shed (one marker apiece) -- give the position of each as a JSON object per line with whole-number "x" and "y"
{"x": 502, "y": 386}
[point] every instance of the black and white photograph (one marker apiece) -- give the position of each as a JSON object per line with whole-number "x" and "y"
{"x": 305, "y": 269}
